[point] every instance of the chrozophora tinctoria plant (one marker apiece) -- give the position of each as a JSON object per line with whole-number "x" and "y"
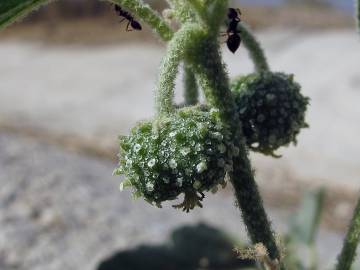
{"x": 190, "y": 150}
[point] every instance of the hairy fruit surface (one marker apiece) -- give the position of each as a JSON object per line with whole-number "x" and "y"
{"x": 188, "y": 152}
{"x": 271, "y": 109}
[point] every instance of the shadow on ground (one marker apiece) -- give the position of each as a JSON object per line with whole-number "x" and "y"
{"x": 189, "y": 248}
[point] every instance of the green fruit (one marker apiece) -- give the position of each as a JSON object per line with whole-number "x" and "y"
{"x": 271, "y": 109}
{"x": 187, "y": 153}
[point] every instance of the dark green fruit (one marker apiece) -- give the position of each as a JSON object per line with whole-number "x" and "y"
{"x": 271, "y": 109}
{"x": 185, "y": 153}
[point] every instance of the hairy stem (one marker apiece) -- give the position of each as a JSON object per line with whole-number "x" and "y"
{"x": 207, "y": 64}
{"x": 214, "y": 81}
{"x": 188, "y": 12}
{"x": 182, "y": 11}
{"x": 148, "y": 15}
{"x": 254, "y": 48}
{"x": 200, "y": 10}
{"x": 251, "y": 205}
{"x": 348, "y": 253}
{"x": 217, "y": 15}
{"x": 169, "y": 69}
{"x": 191, "y": 93}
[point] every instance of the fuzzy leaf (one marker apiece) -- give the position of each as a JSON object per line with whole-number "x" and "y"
{"x": 13, "y": 10}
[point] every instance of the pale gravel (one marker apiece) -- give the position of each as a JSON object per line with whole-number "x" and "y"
{"x": 60, "y": 210}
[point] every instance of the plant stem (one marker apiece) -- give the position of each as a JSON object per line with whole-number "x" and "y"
{"x": 187, "y": 12}
{"x": 148, "y": 15}
{"x": 199, "y": 9}
{"x": 214, "y": 81}
{"x": 216, "y": 18}
{"x": 182, "y": 11}
{"x": 254, "y": 48}
{"x": 251, "y": 205}
{"x": 191, "y": 93}
{"x": 169, "y": 69}
{"x": 348, "y": 253}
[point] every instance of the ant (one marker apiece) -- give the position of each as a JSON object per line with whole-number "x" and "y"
{"x": 127, "y": 16}
{"x": 234, "y": 39}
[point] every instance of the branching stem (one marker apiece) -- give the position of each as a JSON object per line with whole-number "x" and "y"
{"x": 169, "y": 69}
{"x": 214, "y": 81}
{"x": 246, "y": 190}
{"x": 182, "y": 11}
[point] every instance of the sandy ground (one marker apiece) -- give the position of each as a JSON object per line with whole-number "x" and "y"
{"x": 61, "y": 211}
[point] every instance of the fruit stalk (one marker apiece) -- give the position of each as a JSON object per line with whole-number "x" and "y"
{"x": 169, "y": 69}
{"x": 214, "y": 81}
{"x": 191, "y": 93}
{"x": 253, "y": 46}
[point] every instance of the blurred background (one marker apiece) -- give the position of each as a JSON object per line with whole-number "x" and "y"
{"x": 72, "y": 79}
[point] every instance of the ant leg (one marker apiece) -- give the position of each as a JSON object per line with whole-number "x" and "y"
{"x": 127, "y": 27}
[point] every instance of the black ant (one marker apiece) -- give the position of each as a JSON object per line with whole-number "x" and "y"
{"x": 234, "y": 39}
{"x": 127, "y": 16}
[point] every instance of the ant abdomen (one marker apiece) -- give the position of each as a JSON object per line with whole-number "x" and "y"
{"x": 135, "y": 25}
{"x": 233, "y": 42}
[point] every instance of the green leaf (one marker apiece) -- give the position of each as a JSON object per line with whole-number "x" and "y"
{"x": 305, "y": 223}
{"x": 13, "y": 10}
